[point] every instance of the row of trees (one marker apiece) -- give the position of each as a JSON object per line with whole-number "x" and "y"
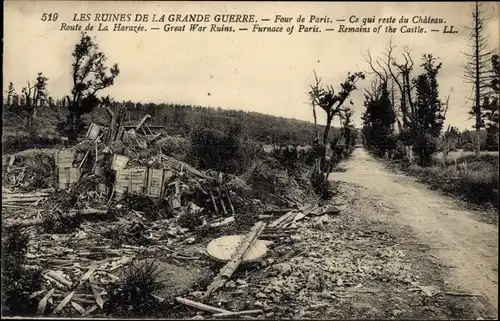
{"x": 90, "y": 75}
{"x": 399, "y": 97}
{"x": 182, "y": 119}
{"x": 420, "y": 113}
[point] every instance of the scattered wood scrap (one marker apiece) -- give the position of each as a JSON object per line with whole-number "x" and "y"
{"x": 22, "y": 199}
{"x": 33, "y": 222}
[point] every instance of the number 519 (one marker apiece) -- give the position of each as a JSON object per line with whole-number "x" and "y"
{"x": 50, "y": 17}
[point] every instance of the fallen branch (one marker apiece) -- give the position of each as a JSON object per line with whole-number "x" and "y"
{"x": 201, "y": 306}
{"x": 460, "y": 294}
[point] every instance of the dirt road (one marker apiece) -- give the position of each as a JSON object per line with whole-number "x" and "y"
{"x": 466, "y": 248}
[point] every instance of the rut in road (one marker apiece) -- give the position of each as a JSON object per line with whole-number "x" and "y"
{"x": 458, "y": 239}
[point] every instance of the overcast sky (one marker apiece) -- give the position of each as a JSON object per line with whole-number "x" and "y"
{"x": 267, "y": 73}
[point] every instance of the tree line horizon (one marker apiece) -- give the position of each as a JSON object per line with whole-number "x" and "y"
{"x": 401, "y": 107}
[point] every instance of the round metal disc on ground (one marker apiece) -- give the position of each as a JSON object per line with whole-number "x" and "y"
{"x": 223, "y": 248}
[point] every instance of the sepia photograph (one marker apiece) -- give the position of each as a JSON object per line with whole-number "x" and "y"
{"x": 262, "y": 160}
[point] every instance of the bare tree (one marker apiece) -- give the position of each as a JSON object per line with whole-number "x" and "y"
{"x": 477, "y": 69}
{"x": 387, "y": 68}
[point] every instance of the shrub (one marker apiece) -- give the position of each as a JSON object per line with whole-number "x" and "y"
{"x": 320, "y": 184}
{"x": 485, "y": 158}
{"x": 134, "y": 294}
{"x": 132, "y": 235}
{"x": 478, "y": 183}
{"x": 15, "y": 143}
{"x": 152, "y": 210}
{"x": 173, "y": 146}
{"x": 189, "y": 219}
{"x": 267, "y": 178}
{"x": 18, "y": 282}
{"x": 58, "y": 224}
{"x": 221, "y": 151}
{"x": 246, "y": 219}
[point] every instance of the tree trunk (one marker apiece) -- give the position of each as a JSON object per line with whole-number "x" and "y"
{"x": 477, "y": 84}
{"x": 315, "y": 119}
{"x": 327, "y": 129}
{"x": 72, "y": 124}
{"x": 29, "y": 121}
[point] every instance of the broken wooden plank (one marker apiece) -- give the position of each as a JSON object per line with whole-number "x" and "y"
{"x": 190, "y": 169}
{"x": 33, "y": 222}
{"x": 227, "y": 271}
{"x": 84, "y": 159}
{"x": 461, "y": 294}
{"x": 283, "y": 219}
{"x": 119, "y": 162}
{"x": 59, "y": 278}
{"x": 63, "y": 303}
{"x": 290, "y": 219}
{"x": 224, "y": 248}
{"x": 143, "y": 120}
{"x": 21, "y": 199}
{"x": 43, "y": 303}
{"x": 224, "y": 222}
{"x": 6, "y": 196}
{"x": 201, "y": 306}
{"x": 222, "y": 201}
{"x": 229, "y": 200}
{"x": 236, "y": 313}
{"x": 213, "y": 202}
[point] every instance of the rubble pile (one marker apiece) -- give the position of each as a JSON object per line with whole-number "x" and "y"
{"x": 318, "y": 266}
{"x": 118, "y": 200}
{"x": 29, "y": 170}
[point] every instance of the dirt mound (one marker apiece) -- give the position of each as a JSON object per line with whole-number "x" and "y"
{"x": 269, "y": 178}
{"x": 178, "y": 280}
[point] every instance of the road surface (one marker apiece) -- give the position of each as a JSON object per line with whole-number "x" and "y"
{"x": 456, "y": 237}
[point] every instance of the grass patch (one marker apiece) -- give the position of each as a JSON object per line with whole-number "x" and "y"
{"x": 477, "y": 183}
